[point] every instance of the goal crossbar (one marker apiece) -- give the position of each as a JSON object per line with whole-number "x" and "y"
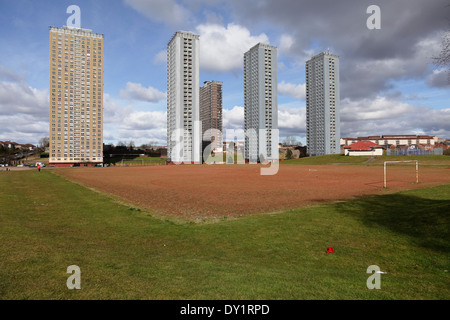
{"x": 417, "y": 169}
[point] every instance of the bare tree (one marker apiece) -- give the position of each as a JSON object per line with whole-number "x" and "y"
{"x": 153, "y": 145}
{"x": 291, "y": 141}
{"x": 443, "y": 59}
{"x": 44, "y": 143}
{"x": 131, "y": 145}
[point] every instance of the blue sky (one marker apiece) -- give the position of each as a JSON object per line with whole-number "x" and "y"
{"x": 388, "y": 84}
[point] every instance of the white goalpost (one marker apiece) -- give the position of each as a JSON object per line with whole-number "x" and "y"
{"x": 417, "y": 169}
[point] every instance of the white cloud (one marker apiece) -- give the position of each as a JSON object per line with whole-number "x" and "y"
{"x": 161, "y": 57}
{"x": 286, "y": 42}
{"x": 382, "y": 115}
{"x": 139, "y": 137}
{"x": 19, "y": 98}
{"x": 10, "y": 75}
{"x": 234, "y": 118}
{"x": 113, "y": 112}
{"x": 289, "y": 118}
{"x": 144, "y": 120}
{"x": 137, "y": 92}
{"x": 123, "y": 123}
{"x": 288, "y": 47}
{"x": 373, "y": 109}
{"x": 439, "y": 78}
{"x": 291, "y": 121}
{"x": 364, "y": 78}
{"x": 389, "y": 116}
{"x": 23, "y": 111}
{"x": 22, "y": 128}
{"x": 165, "y": 11}
{"x": 297, "y": 91}
{"x": 143, "y": 127}
{"x": 222, "y": 48}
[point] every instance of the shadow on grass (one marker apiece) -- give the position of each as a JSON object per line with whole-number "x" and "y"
{"x": 426, "y": 221}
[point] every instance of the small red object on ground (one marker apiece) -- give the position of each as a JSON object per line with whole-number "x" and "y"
{"x": 330, "y": 250}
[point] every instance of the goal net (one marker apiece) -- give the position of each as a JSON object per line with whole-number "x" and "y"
{"x": 387, "y": 162}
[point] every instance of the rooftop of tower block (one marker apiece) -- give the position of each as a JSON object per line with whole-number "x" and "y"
{"x": 76, "y": 31}
{"x": 322, "y": 54}
{"x": 263, "y": 45}
{"x": 184, "y": 34}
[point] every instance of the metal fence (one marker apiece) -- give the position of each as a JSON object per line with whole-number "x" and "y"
{"x": 414, "y": 152}
{"x": 139, "y": 163}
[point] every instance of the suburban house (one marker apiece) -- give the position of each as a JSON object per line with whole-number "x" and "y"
{"x": 8, "y": 144}
{"x": 16, "y": 146}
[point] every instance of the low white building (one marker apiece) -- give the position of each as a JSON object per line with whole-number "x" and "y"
{"x": 394, "y": 140}
{"x": 363, "y": 148}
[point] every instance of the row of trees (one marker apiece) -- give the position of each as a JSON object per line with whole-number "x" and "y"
{"x": 291, "y": 141}
{"x": 131, "y": 145}
{"x": 45, "y": 142}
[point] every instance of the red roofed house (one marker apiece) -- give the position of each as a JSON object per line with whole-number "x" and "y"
{"x": 27, "y": 146}
{"x": 363, "y": 148}
{"x": 9, "y": 144}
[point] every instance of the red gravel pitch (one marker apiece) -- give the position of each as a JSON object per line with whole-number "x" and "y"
{"x": 197, "y": 191}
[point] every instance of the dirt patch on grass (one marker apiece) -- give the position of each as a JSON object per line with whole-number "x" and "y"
{"x": 203, "y": 191}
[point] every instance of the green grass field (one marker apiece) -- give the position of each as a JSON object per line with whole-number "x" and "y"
{"x": 424, "y": 160}
{"x": 140, "y": 161}
{"x": 427, "y": 160}
{"x": 48, "y": 223}
{"x": 328, "y": 159}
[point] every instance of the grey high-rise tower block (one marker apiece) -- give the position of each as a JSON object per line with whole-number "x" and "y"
{"x": 322, "y": 104}
{"x": 183, "y": 110}
{"x": 260, "y": 101}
